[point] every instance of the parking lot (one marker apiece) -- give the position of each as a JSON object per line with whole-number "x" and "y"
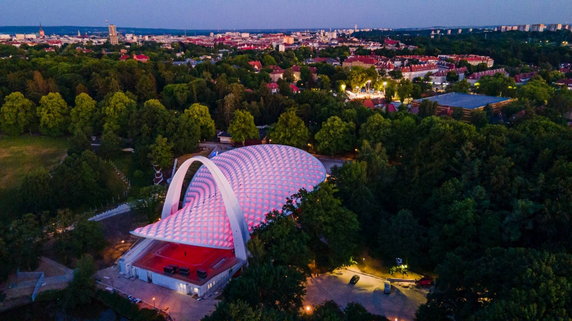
{"x": 400, "y": 305}
{"x": 179, "y": 306}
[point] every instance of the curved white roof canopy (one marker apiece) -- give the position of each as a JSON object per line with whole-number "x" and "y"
{"x": 231, "y": 194}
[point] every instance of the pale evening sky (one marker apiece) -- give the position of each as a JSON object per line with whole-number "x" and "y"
{"x": 270, "y": 14}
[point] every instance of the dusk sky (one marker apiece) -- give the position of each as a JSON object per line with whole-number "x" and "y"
{"x": 245, "y": 14}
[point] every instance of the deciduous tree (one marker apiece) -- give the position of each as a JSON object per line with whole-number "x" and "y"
{"x": 83, "y": 115}
{"x": 53, "y": 112}
{"x": 290, "y": 130}
{"x": 17, "y": 115}
{"x": 242, "y": 127}
{"x": 335, "y": 136}
{"x": 200, "y": 114}
{"x": 161, "y": 153}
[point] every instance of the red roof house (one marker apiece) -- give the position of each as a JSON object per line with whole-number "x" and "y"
{"x": 141, "y": 58}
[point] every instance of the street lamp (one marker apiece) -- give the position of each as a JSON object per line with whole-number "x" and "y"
{"x": 154, "y": 303}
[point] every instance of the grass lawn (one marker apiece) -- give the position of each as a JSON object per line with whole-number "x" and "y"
{"x": 20, "y": 155}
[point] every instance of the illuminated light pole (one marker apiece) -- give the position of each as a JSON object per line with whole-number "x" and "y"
{"x": 154, "y": 303}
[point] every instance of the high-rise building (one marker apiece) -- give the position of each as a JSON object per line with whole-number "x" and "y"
{"x": 113, "y": 38}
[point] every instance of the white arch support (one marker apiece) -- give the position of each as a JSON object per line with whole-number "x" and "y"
{"x": 236, "y": 219}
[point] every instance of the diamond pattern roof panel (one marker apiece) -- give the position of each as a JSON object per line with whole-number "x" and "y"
{"x": 261, "y": 176}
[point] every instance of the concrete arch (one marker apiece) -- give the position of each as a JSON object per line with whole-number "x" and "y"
{"x": 234, "y": 213}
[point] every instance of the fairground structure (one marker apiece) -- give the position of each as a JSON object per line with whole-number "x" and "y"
{"x": 199, "y": 242}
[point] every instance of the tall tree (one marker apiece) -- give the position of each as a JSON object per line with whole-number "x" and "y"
{"x": 335, "y": 136}
{"x": 186, "y": 134}
{"x": 53, "y": 112}
{"x": 149, "y": 121}
{"x": 504, "y": 284}
{"x": 497, "y": 85}
{"x": 161, "y": 153}
{"x": 81, "y": 289}
{"x": 38, "y": 86}
{"x": 332, "y": 227}
{"x": 200, "y": 114}
{"x": 536, "y": 91}
{"x": 35, "y": 192}
{"x": 275, "y": 286}
{"x": 87, "y": 237}
{"x": 146, "y": 88}
{"x": 23, "y": 239}
{"x": 427, "y": 108}
{"x": 404, "y": 90}
{"x": 290, "y": 130}
{"x": 83, "y": 115}
{"x": 116, "y": 111}
{"x": 401, "y": 237}
{"x": 17, "y": 115}
{"x": 376, "y": 129}
{"x": 242, "y": 127}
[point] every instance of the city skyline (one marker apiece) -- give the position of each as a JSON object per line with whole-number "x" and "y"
{"x": 248, "y": 14}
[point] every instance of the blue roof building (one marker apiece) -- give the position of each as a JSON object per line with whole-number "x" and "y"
{"x": 467, "y": 101}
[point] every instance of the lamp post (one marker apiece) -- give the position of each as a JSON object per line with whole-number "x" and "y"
{"x": 154, "y": 303}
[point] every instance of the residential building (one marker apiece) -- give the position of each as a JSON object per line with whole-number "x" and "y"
{"x": 413, "y": 71}
{"x": 475, "y": 77}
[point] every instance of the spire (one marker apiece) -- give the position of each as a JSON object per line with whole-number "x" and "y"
{"x": 41, "y": 32}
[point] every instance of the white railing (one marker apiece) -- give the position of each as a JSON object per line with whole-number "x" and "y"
{"x": 123, "y": 208}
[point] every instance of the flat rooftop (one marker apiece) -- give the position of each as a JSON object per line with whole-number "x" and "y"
{"x": 212, "y": 261}
{"x": 466, "y": 101}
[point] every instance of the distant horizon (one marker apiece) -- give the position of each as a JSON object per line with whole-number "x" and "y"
{"x": 276, "y": 14}
{"x": 273, "y": 29}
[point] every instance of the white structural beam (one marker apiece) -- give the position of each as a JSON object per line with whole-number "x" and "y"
{"x": 234, "y": 213}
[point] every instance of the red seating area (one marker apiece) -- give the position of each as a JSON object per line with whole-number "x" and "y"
{"x": 162, "y": 254}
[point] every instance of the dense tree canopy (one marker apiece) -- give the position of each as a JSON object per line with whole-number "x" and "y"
{"x": 200, "y": 114}
{"x": 290, "y": 130}
{"x": 83, "y": 115}
{"x": 17, "y": 114}
{"x": 335, "y": 136}
{"x": 242, "y": 127}
{"x": 53, "y": 113}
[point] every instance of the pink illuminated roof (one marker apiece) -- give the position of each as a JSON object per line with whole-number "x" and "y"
{"x": 261, "y": 176}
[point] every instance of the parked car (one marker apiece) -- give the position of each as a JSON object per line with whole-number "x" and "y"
{"x": 386, "y": 287}
{"x": 425, "y": 281}
{"x": 354, "y": 279}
